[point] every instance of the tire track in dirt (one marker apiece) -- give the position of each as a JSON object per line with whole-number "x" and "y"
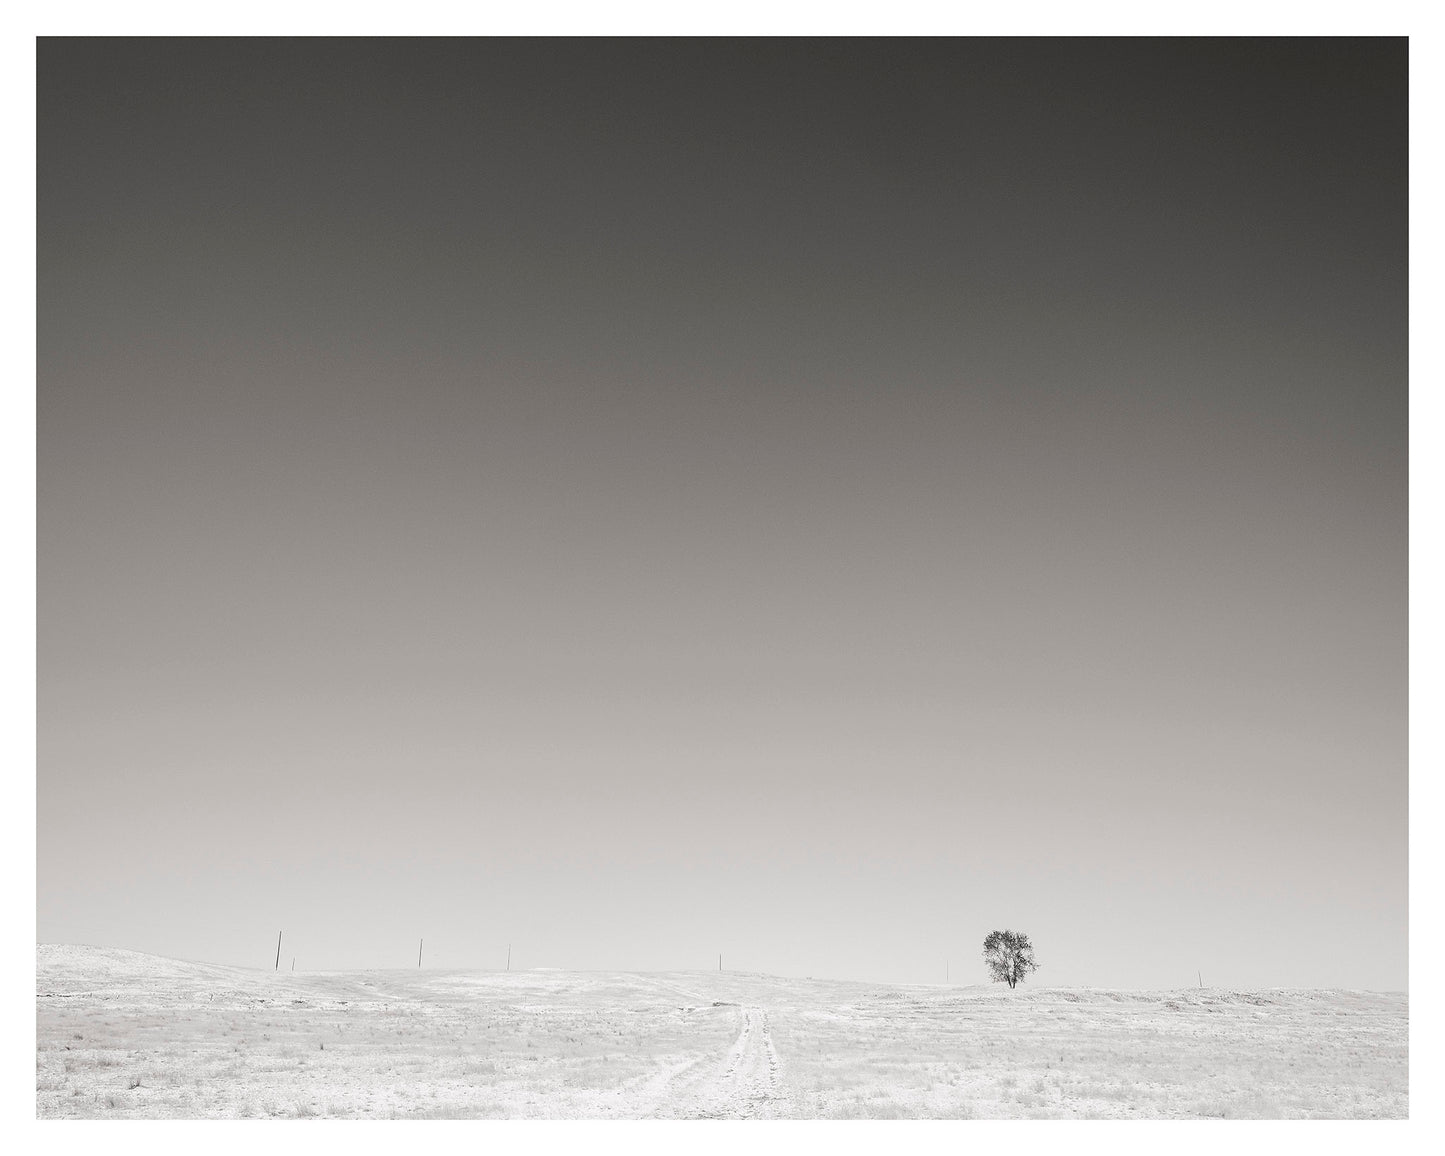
{"x": 748, "y": 1084}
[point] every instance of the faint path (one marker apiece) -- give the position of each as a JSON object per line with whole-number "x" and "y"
{"x": 748, "y": 1084}
{"x": 654, "y": 1094}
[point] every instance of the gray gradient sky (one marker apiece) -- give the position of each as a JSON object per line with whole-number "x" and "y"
{"x": 815, "y": 502}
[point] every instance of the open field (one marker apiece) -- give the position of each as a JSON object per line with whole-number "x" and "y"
{"x": 120, "y": 1034}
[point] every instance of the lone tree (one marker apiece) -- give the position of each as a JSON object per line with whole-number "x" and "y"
{"x": 1009, "y": 955}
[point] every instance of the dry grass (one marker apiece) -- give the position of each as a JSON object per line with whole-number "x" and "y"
{"x": 128, "y": 1036}
{"x": 1062, "y": 1054}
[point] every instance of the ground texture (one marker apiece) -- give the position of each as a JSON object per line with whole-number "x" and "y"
{"x": 121, "y": 1034}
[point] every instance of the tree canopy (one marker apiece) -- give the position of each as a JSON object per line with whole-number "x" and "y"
{"x": 1009, "y": 955}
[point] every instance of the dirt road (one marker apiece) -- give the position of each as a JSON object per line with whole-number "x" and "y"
{"x": 746, "y": 1084}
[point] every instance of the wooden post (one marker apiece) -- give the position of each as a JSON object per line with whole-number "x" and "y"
{"x": 419, "y": 942}
{"x": 278, "y": 951}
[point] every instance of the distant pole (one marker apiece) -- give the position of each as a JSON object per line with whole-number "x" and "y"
{"x": 945, "y": 970}
{"x": 293, "y": 963}
{"x": 278, "y": 951}
{"x": 419, "y": 942}
{"x": 719, "y": 961}
{"x": 509, "y": 957}
{"x": 1201, "y": 979}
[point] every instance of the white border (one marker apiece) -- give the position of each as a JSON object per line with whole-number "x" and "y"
{"x": 753, "y": 18}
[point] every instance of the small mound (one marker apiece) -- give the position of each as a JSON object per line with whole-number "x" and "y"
{"x": 62, "y": 968}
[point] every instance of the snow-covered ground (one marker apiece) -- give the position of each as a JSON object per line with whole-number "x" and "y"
{"x": 122, "y": 1034}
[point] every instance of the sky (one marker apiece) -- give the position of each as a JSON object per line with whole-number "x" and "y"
{"x": 810, "y": 502}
